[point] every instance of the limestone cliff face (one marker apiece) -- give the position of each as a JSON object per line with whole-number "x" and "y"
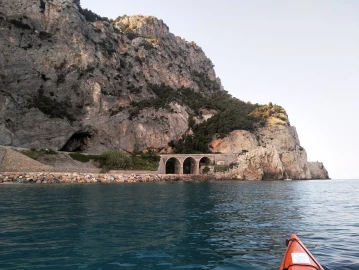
{"x": 236, "y": 142}
{"x": 270, "y": 152}
{"x": 260, "y": 163}
{"x": 67, "y": 83}
{"x": 317, "y": 170}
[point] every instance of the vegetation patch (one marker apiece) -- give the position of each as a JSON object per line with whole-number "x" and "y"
{"x": 204, "y": 83}
{"x": 164, "y": 95}
{"x": 264, "y": 112}
{"x": 114, "y": 160}
{"x": 88, "y": 14}
{"x": 145, "y": 161}
{"x": 232, "y": 114}
{"x": 52, "y": 107}
{"x": 206, "y": 170}
{"x": 37, "y": 154}
{"x": 82, "y": 157}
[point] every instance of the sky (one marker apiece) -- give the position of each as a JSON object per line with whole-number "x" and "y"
{"x": 300, "y": 54}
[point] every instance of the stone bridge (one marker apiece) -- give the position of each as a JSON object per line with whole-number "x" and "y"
{"x": 193, "y": 163}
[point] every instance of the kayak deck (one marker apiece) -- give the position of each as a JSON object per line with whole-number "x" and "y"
{"x": 298, "y": 257}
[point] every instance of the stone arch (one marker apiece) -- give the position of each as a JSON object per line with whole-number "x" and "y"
{"x": 189, "y": 166}
{"x": 204, "y": 162}
{"x": 173, "y": 166}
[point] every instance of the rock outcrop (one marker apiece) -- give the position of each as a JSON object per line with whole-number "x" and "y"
{"x": 261, "y": 163}
{"x": 270, "y": 152}
{"x": 317, "y": 170}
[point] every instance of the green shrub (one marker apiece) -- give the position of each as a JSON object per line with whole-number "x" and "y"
{"x": 114, "y": 161}
{"x": 206, "y": 170}
{"x": 81, "y": 157}
{"x": 145, "y": 161}
{"x": 91, "y": 16}
{"x": 231, "y": 113}
{"x": 32, "y": 153}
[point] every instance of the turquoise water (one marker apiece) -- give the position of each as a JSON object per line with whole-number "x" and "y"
{"x": 201, "y": 225}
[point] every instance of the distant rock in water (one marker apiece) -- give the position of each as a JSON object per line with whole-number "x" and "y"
{"x": 74, "y": 81}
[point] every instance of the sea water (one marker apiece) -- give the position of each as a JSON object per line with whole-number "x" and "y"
{"x": 222, "y": 225}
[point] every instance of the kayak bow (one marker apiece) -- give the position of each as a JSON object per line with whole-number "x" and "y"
{"x": 298, "y": 257}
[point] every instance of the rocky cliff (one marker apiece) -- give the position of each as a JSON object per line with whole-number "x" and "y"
{"x": 67, "y": 83}
{"x": 270, "y": 152}
{"x": 71, "y": 80}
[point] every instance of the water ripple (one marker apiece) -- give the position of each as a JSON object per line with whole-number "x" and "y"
{"x": 210, "y": 225}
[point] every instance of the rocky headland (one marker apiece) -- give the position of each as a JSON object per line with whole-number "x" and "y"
{"x": 73, "y": 81}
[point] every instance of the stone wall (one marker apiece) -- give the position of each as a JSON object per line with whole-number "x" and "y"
{"x": 73, "y": 178}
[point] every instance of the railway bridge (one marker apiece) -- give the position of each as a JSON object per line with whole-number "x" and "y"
{"x": 193, "y": 163}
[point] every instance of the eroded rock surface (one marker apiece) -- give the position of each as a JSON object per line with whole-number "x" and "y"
{"x": 270, "y": 152}
{"x": 67, "y": 83}
{"x": 236, "y": 142}
{"x": 317, "y": 170}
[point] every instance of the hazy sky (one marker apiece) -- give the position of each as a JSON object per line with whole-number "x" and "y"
{"x": 302, "y": 55}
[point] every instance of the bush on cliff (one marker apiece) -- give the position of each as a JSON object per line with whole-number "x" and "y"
{"x": 88, "y": 14}
{"x": 232, "y": 114}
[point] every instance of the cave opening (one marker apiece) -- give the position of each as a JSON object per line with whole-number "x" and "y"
{"x": 78, "y": 142}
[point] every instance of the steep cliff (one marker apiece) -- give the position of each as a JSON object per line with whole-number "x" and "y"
{"x": 73, "y": 81}
{"x": 270, "y": 152}
{"x": 67, "y": 83}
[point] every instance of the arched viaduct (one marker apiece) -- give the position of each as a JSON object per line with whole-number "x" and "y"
{"x": 192, "y": 163}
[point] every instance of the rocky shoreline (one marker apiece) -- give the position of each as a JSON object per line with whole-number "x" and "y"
{"x": 83, "y": 178}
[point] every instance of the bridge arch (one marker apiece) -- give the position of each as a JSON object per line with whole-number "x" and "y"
{"x": 193, "y": 163}
{"x": 203, "y": 163}
{"x": 189, "y": 166}
{"x": 173, "y": 166}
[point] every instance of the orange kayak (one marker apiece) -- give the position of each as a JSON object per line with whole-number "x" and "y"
{"x": 298, "y": 257}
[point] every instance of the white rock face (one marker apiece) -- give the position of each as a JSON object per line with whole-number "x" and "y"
{"x": 282, "y": 137}
{"x": 260, "y": 163}
{"x": 295, "y": 164}
{"x": 317, "y": 170}
{"x": 274, "y": 153}
{"x": 235, "y": 142}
